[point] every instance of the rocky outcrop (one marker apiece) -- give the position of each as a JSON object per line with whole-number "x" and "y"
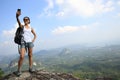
{"x": 40, "y": 75}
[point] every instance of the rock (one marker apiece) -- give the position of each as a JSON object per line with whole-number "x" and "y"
{"x": 40, "y": 75}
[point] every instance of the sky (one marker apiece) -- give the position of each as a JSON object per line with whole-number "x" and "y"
{"x": 59, "y": 23}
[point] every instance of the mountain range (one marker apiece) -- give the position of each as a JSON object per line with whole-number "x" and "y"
{"x": 83, "y": 62}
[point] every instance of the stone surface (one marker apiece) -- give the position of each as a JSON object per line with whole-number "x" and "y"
{"x": 40, "y": 75}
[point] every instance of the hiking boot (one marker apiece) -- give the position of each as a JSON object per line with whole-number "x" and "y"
{"x": 18, "y": 73}
{"x": 31, "y": 70}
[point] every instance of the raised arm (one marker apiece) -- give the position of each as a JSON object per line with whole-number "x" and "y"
{"x": 17, "y": 17}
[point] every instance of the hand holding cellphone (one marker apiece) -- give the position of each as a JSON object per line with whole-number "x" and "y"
{"x": 19, "y": 11}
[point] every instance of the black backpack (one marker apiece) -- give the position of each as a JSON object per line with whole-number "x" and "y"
{"x": 19, "y": 39}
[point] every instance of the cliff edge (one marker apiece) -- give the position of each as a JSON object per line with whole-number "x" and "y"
{"x": 40, "y": 75}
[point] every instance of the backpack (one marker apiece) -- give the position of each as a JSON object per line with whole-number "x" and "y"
{"x": 19, "y": 39}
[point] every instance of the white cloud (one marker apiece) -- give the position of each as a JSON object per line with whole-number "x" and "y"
{"x": 118, "y": 15}
{"x": 8, "y": 47}
{"x": 84, "y": 8}
{"x": 71, "y": 29}
{"x": 60, "y": 14}
{"x": 47, "y": 10}
{"x": 50, "y": 4}
{"x": 95, "y": 24}
{"x": 11, "y": 32}
{"x": 118, "y": 2}
{"x": 59, "y": 2}
{"x": 5, "y": 42}
{"x": 68, "y": 29}
{"x": 65, "y": 29}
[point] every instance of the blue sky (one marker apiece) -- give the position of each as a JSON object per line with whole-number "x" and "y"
{"x": 61, "y": 22}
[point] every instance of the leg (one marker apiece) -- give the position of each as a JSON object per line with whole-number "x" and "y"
{"x": 22, "y": 53}
{"x": 30, "y": 57}
{"x": 30, "y": 49}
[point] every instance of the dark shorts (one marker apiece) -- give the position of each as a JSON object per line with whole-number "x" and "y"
{"x": 27, "y": 45}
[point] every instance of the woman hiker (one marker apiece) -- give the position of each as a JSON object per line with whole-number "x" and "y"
{"x": 28, "y": 30}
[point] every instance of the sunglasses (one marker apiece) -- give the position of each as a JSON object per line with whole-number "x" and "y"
{"x": 26, "y": 19}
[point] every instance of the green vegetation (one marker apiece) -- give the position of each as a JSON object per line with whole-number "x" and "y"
{"x": 1, "y": 73}
{"x": 88, "y": 63}
{"x": 85, "y": 63}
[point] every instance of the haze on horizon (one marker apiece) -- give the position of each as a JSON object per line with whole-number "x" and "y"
{"x": 62, "y": 22}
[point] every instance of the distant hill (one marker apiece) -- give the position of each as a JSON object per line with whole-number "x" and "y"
{"x": 86, "y": 62}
